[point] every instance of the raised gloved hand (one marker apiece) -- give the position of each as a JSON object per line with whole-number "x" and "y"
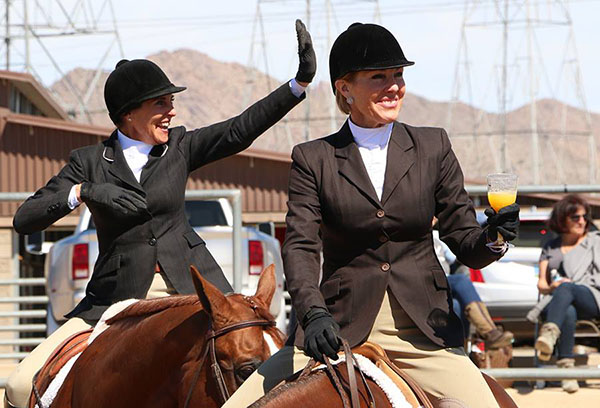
{"x": 306, "y": 53}
{"x": 126, "y": 202}
{"x": 320, "y": 334}
{"x": 505, "y": 222}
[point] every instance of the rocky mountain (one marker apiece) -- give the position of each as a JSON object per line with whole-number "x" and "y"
{"x": 218, "y": 90}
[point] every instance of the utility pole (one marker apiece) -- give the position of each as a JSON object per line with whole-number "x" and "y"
{"x": 521, "y": 74}
{"x": 503, "y": 90}
{"x": 7, "y": 34}
{"x": 54, "y": 20}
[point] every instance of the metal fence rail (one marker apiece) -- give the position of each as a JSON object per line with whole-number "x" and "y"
{"x": 549, "y": 374}
{"x": 16, "y": 314}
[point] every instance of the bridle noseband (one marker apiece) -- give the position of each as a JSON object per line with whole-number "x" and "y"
{"x": 210, "y": 349}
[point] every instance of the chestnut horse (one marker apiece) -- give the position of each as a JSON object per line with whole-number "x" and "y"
{"x": 337, "y": 387}
{"x": 318, "y": 390}
{"x": 178, "y": 351}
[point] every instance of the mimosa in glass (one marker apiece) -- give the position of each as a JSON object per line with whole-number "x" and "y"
{"x": 501, "y": 199}
{"x": 502, "y": 192}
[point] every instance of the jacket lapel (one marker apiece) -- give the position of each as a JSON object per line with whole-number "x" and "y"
{"x": 351, "y": 166}
{"x": 114, "y": 159}
{"x": 156, "y": 153}
{"x": 400, "y": 158}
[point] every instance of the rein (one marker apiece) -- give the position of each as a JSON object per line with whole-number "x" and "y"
{"x": 351, "y": 363}
{"x": 210, "y": 349}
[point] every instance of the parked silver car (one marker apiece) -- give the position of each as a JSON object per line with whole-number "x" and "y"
{"x": 70, "y": 261}
{"x": 509, "y": 286}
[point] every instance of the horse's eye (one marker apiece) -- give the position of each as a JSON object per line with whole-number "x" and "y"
{"x": 246, "y": 370}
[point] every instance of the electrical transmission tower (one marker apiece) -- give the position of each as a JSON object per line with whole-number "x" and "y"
{"x": 319, "y": 16}
{"x": 32, "y": 33}
{"x": 533, "y": 65}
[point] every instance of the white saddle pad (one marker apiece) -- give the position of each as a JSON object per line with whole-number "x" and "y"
{"x": 57, "y": 382}
{"x": 392, "y": 392}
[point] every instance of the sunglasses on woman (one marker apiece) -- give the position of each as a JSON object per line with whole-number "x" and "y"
{"x": 576, "y": 217}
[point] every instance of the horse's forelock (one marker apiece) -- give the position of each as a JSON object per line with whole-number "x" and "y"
{"x": 151, "y": 306}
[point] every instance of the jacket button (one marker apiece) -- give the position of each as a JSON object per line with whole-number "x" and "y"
{"x": 383, "y": 239}
{"x": 385, "y": 267}
{"x": 380, "y": 213}
{"x": 152, "y": 241}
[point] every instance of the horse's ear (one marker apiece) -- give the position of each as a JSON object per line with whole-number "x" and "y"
{"x": 266, "y": 285}
{"x": 213, "y": 301}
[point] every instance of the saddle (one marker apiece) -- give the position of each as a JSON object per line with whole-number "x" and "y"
{"x": 69, "y": 348}
{"x": 413, "y": 393}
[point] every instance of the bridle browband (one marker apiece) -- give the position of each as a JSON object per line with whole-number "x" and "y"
{"x": 210, "y": 349}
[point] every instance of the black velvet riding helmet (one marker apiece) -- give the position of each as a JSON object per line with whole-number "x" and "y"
{"x": 364, "y": 47}
{"x": 133, "y": 82}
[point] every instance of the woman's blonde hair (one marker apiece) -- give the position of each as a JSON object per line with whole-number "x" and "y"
{"x": 340, "y": 100}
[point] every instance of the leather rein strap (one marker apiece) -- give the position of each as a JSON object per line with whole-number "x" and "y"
{"x": 210, "y": 349}
{"x": 351, "y": 363}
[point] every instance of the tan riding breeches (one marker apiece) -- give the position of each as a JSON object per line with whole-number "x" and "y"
{"x": 441, "y": 372}
{"x": 18, "y": 385}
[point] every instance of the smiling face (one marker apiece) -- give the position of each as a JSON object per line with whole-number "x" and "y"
{"x": 377, "y": 96}
{"x": 150, "y": 122}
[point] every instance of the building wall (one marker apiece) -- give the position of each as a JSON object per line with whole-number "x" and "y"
{"x": 6, "y": 272}
{"x": 263, "y": 182}
{"x": 31, "y": 155}
{"x": 4, "y": 92}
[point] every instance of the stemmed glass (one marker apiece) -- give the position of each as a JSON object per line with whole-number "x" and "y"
{"x": 502, "y": 192}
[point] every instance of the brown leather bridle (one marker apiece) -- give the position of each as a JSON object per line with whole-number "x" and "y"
{"x": 210, "y": 349}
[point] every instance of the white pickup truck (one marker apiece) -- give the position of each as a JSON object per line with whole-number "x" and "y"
{"x": 70, "y": 261}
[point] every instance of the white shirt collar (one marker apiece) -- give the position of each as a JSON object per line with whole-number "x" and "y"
{"x": 371, "y": 138}
{"x": 128, "y": 143}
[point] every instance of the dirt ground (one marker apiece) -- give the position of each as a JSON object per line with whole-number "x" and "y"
{"x": 552, "y": 396}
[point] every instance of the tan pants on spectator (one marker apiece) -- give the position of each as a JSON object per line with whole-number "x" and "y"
{"x": 18, "y": 385}
{"x": 443, "y": 373}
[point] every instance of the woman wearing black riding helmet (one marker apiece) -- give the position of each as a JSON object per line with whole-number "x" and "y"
{"x": 365, "y": 197}
{"x": 134, "y": 184}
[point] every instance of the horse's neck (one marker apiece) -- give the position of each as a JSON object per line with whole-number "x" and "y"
{"x": 300, "y": 392}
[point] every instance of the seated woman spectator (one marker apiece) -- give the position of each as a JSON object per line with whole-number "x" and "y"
{"x": 466, "y": 301}
{"x": 570, "y": 275}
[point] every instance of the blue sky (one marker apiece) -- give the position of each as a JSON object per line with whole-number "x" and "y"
{"x": 428, "y": 31}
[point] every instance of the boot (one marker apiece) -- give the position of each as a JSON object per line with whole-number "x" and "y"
{"x": 479, "y": 317}
{"x": 545, "y": 342}
{"x": 568, "y": 385}
{"x": 7, "y": 403}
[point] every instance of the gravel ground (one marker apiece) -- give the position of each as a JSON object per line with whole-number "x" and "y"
{"x": 553, "y": 396}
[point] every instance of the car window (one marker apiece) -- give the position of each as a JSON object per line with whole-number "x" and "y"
{"x": 533, "y": 234}
{"x": 204, "y": 213}
{"x": 198, "y": 213}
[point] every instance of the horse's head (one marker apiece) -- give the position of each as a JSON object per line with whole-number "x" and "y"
{"x": 240, "y": 351}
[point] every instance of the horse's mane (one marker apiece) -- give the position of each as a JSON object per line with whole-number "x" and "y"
{"x": 289, "y": 388}
{"x": 146, "y": 307}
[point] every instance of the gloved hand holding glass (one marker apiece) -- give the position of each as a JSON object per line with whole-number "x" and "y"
{"x": 503, "y": 217}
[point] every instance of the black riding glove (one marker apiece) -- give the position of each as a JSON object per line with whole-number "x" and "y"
{"x": 126, "y": 202}
{"x": 306, "y": 53}
{"x": 320, "y": 334}
{"x": 505, "y": 222}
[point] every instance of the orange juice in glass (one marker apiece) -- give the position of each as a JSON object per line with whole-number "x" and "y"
{"x": 501, "y": 199}
{"x": 502, "y": 192}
